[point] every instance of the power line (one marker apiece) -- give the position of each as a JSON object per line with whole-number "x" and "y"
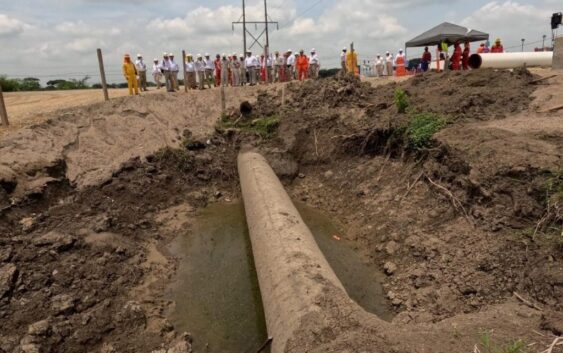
{"x": 302, "y": 13}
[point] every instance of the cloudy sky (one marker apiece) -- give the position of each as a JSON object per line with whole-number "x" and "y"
{"x": 57, "y": 38}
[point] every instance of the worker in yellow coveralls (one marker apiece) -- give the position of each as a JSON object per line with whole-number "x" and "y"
{"x": 352, "y": 63}
{"x": 130, "y": 73}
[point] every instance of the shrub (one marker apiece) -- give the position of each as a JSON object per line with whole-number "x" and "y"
{"x": 13, "y": 85}
{"x": 401, "y": 100}
{"x": 266, "y": 127}
{"x": 488, "y": 345}
{"x": 422, "y": 127}
{"x": 177, "y": 157}
{"x": 263, "y": 127}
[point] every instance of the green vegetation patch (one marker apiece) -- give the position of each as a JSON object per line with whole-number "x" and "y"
{"x": 177, "y": 157}
{"x": 264, "y": 127}
{"x": 487, "y": 344}
{"x": 422, "y": 127}
{"x": 401, "y": 100}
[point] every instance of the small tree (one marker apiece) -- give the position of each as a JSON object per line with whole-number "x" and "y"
{"x": 401, "y": 100}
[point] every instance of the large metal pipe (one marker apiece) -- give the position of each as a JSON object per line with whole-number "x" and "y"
{"x": 510, "y": 60}
{"x": 292, "y": 271}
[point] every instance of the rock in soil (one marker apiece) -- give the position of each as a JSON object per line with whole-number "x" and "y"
{"x": 8, "y": 276}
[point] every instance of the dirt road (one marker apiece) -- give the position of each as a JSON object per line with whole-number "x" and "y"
{"x": 26, "y": 108}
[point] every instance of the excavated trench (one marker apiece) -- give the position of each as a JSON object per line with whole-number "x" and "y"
{"x": 216, "y": 288}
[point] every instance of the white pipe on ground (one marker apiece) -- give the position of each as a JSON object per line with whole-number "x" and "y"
{"x": 510, "y": 60}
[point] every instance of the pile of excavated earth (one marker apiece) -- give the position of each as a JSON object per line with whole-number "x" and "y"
{"x": 463, "y": 212}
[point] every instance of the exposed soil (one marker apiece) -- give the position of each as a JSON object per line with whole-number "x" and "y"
{"x": 455, "y": 225}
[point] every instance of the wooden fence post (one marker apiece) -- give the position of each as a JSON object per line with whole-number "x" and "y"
{"x": 184, "y": 66}
{"x": 223, "y": 101}
{"x": 103, "y": 74}
{"x": 3, "y": 112}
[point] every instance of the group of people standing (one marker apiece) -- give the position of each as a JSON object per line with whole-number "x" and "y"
{"x": 459, "y": 60}
{"x": 225, "y": 70}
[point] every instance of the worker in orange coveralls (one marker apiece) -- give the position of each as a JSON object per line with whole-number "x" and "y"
{"x": 497, "y": 47}
{"x": 217, "y": 64}
{"x": 130, "y": 74}
{"x": 302, "y": 65}
{"x": 456, "y": 57}
{"x": 465, "y": 56}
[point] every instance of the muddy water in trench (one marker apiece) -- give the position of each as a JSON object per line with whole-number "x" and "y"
{"x": 216, "y": 289}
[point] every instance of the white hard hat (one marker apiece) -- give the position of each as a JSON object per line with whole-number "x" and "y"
{"x": 387, "y": 52}
{"x": 400, "y": 49}
{"x": 199, "y": 55}
{"x": 313, "y": 50}
{"x": 289, "y": 51}
{"x": 165, "y": 54}
{"x": 344, "y": 48}
{"x": 223, "y": 54}
{"x": 139, "y": 56}
{"x": 155, "y": 59}
{"x": 206, "y": 54}
{"x": 170, "y": 54}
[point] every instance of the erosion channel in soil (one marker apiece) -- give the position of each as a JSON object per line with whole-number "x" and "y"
{"x": 216, "y": 289}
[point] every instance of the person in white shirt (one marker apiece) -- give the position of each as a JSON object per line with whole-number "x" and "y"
{"x": 174, "y": 70}
{"x": 343, "y": 60}
{"x": 278, "y": 67}
{"x": 225, "y": 67}
{"x": 290, "y": 65}
{"x": 165, "y": 68}
{"x": 250, "y": 62}
{"x": 270, "y": 68}
{"x": 156, "y": 73}
{"x": 314, "y": 65}
{"x": 190, "y": 72}
{"x": 389, "y": 64}
{"x": 200, "y": 68}
{"x": 142, "y": 72}
{"x": 379, "y": 65}
{"x": 209, "y": 67}
{"x": 235, "y": 69}
{"x": 399, "y": 55}
{"x": 257, "y": 68}
{"x": 243, "y": 78}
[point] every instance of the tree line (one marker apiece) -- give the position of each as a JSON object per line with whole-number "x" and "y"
{"x": 34, "y": 84}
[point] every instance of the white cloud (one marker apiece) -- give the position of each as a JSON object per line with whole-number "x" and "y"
{"x": 511, "y": 21}
{"x": 84, "y": 45}
{"x": 11, "y": 26}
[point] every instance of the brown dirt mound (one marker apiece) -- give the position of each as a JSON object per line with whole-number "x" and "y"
{"x": 480, "y": 94}
{"x": 473, "y": 191}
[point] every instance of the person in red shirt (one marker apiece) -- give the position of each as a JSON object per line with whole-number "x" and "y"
{"x": 497, "y": 47}
{"x": 426, "y": 59}
{"x": 481, "y": 48}
{"x": 302, "y": 66}
{"x": 217, "y": 64}
{"x": 456, "y": 57}
{"x": 465, "y": 56}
